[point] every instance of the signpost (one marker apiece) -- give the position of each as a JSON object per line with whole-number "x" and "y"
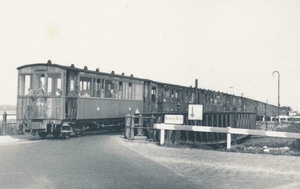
{"x": 174, "y": 119}
{"x": 171, "y": 119}
{"x": 195, "y": 112}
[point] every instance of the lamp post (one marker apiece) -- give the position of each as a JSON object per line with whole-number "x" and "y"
{"x": 266, "y": 115}
{"x": 278, "y": 94}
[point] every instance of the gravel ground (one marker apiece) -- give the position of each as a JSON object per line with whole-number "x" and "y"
{"x": 8, "y": 139}
{"x": 18, "y": 139}
{"x": 215, "y": 169}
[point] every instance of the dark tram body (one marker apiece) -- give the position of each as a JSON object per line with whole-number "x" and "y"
{"x": 56, "y": 99}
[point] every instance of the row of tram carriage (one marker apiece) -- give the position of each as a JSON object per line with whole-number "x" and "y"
{"x": 59, "y": 100}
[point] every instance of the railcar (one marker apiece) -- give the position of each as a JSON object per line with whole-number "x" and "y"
{"x": 56, "y": 99}
{"x": 59, "y": 100}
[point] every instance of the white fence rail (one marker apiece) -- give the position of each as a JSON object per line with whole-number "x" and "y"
{"x": 162, "y": 127}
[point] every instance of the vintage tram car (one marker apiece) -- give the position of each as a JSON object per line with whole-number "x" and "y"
{"x": 59, "y": 100}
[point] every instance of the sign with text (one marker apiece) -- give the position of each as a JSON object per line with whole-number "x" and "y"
{"x": 174, "y": 119}
{"x": 195, "y": 112}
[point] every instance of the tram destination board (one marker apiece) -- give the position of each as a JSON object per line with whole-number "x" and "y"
{"x": 174, "y": 119}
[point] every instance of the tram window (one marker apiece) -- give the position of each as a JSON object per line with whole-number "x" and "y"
{"x": 102, "y": 95}
{"x": 138, "y": 92}
{"x": 186, "y": 97}
{"x": 120, "y": 92}
{"x": 130, "y": 86}
{"x": 54, "y": 85}
{"x": 25, "y": 87}
{"x": 192, "y": 97}
{"x": 97, "y": 88}
{"x": 167, "y": 95}
{"x": 107, "y": 89}
{"x": 58, "y": 83}
{"x": 182, "y": 96}
{"x": 153, "y": 94}
{"x": 110, "y": 89}
{"x": 146, "y": 92}
{"x": 40, "y": 81}
{"x": 115, "y": 87}
{"x": 85, "y": 86}
{"x": 49, "y": 89}
{"x": 71, "y": 84}
{"x": 39, "y": 84}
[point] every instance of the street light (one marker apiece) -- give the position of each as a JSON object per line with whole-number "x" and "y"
{"x": 278, "y": 93}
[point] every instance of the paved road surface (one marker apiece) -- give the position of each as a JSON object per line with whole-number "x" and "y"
{"x": 85, "y": 162}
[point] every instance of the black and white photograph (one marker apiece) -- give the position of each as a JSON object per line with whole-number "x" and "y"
{"x": 139, "y": 94}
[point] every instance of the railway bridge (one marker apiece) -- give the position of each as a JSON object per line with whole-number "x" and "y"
{"x": 142, "y": 126}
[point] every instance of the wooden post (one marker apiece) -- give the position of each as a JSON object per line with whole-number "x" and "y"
{"x": 195, "y": 133}
{"x": 228, "y": 139}
{"x": 150, "y": 137}
{"x": 212, "y": 125}
{"x": 140, "y": 130}
{"x": 132, "y": 128}
{"x": 162, "y": 137}
{"x": 218, "y": 125}
{"x": 127, "y": 126}
{"x": 207, "y": 123}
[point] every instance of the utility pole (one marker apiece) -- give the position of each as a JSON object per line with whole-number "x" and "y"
{"x": 266, "y": 115}
{"x": 278, "y": 94}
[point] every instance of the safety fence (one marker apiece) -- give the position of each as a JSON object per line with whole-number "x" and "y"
{"x": 229, "y": 131}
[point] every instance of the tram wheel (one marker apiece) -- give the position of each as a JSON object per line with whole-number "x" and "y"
{"x": 42, "y": 135}
{"x": 66, "y": 135}
{"x": 78, "y": 133}
{"x": 56, "y": 134}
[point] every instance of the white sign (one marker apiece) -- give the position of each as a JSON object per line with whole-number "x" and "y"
{"x": 195, "y": 111}
{"x": 174, "y": 119}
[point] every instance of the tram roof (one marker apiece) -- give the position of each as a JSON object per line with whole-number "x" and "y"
{"x": 73, "y": 68}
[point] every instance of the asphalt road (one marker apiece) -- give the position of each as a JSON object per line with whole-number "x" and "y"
{"x": 82, "y": 162}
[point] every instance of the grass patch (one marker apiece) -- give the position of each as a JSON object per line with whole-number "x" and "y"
{"x": 255, "y": 144}
{"x": 272, "y": 145}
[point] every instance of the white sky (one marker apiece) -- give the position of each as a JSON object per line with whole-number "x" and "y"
{"x": 222, "y": 43}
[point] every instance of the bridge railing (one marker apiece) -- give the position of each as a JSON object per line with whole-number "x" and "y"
{"x": 8, "y": 125}
{"x": 229, "y": 131}
{"x": 142, "y": 125}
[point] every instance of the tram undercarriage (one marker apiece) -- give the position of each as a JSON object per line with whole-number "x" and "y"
{"x": 66, "y": 127}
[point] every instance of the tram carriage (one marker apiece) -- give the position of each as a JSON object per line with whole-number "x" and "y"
{"x": 55, "y": 99}
{"x": 59, "y": 100}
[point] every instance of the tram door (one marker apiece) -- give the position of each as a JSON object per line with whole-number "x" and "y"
{"x": 39, "y": 88}
{"x": 71, "y": 94}
{"x": 147, "y": 97}
{"x": 153, "y": 98}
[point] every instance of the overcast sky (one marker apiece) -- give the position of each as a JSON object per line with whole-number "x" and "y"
{"x": 229, "y": 46}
